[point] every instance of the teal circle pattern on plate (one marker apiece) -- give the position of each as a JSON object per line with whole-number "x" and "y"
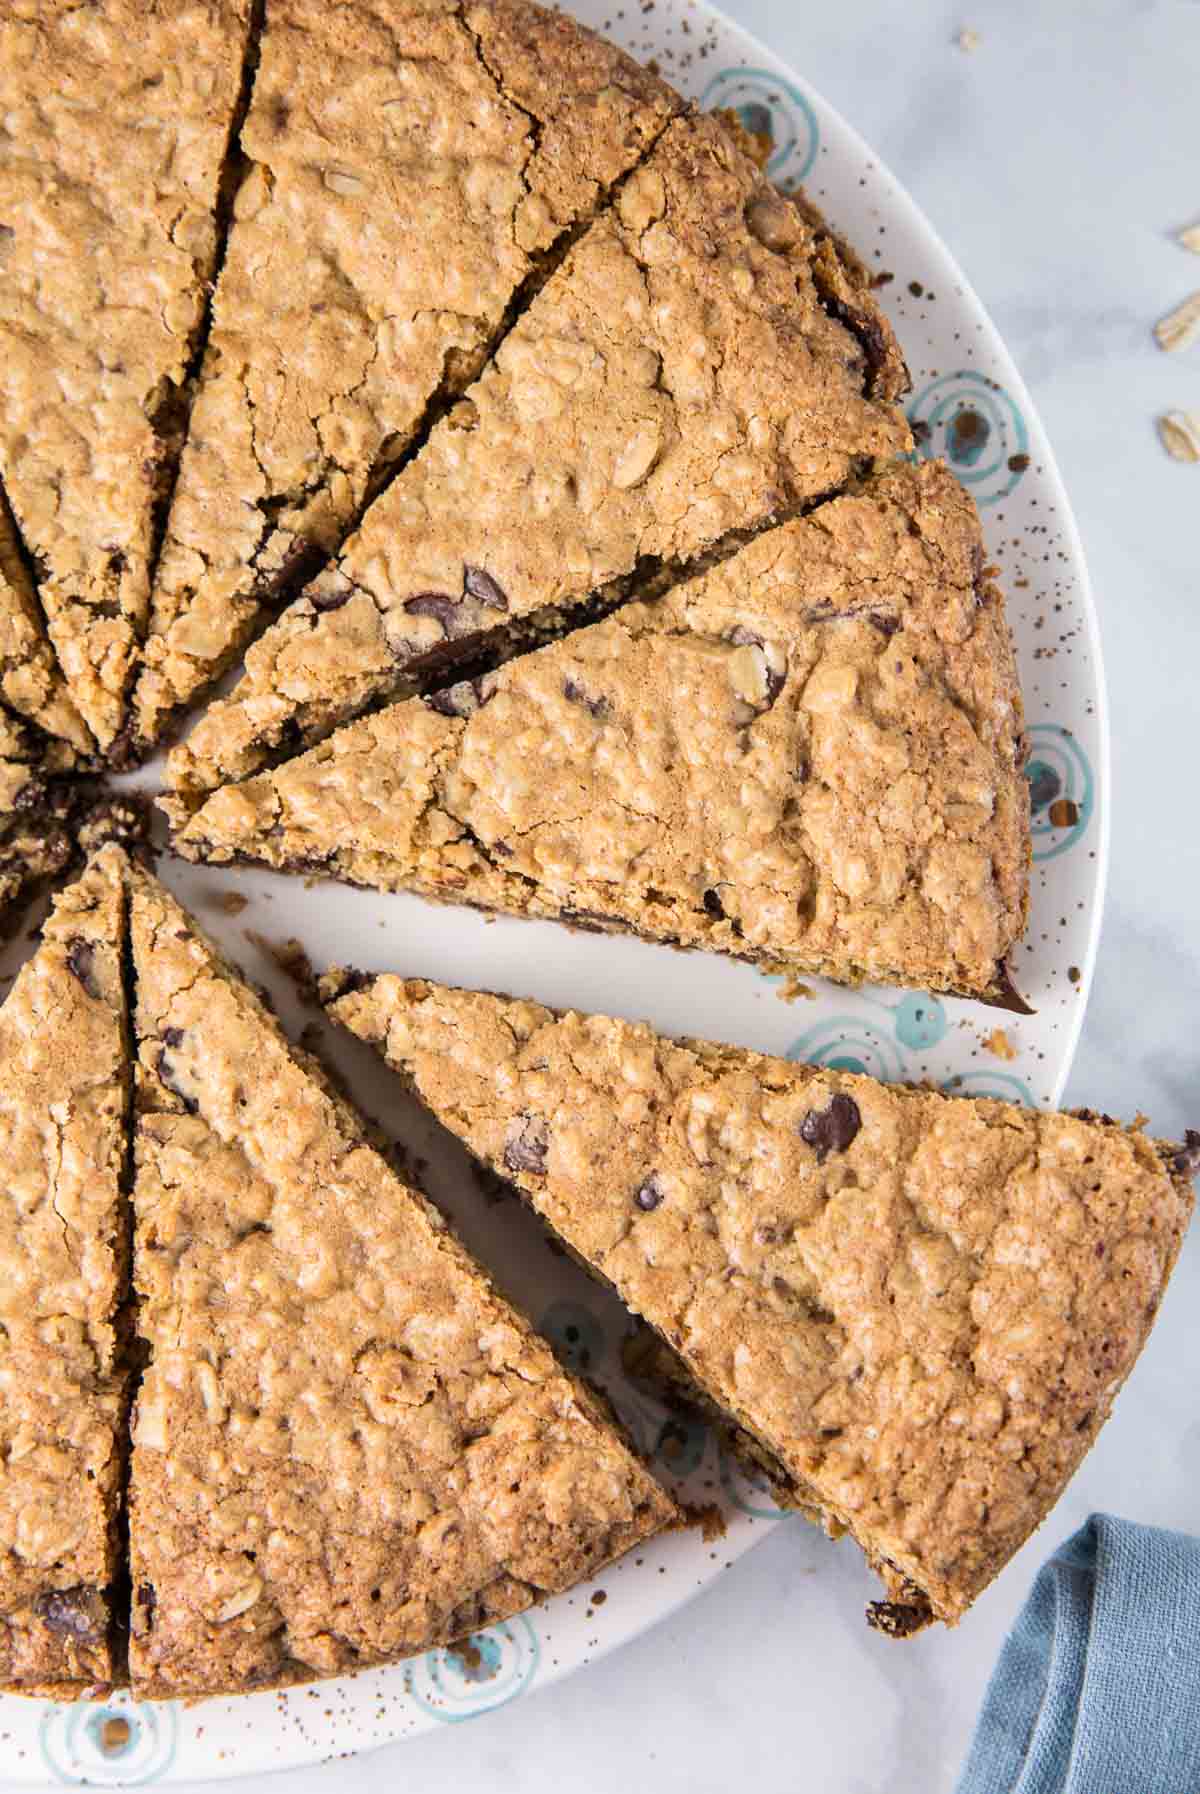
{"x": 749, "y": 1492}
{"x": 680, "y": 1445}
{"x": 1001, "y": 1084}
{"x": 767, "y": 103}
{"x": 920, "y": 1021}
{"x": 575, "y": 1334}
{"x": 116, "y": 1744}
{"x": 848, "y": 1043}
{"x": 491, "y": 1669}
{"x": 1058, "y": 772}
{"x": 977, "y": 427}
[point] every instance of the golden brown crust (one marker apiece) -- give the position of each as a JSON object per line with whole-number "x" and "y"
{"x": 63, "y": 1101}
{"x": 498, "y": 127}
{"x": 347, "y": 1447}
{"x": 811, "y": 756}
{"x": 679, "y": 377}
{"x": 116, "y": 117}
{"x": 922, "y": 1306}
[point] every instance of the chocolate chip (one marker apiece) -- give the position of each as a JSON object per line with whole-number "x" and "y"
{"x": 80, "y": 961}
{"x": 831, "y": 1129}
{"x": 713, "y": 905}
{"x": 526, "y": 1146}
{"x": 71, "y": 1612}
{"x": 147, "y": 1600}
{"x": 280, "y": 113}
{"x": 481, "y": 585}
{"x": 867, "y": 330}
{"x": 327, "y": 598}
{"x": 440, "y": 606}
{"x": 1187, "y": 1160}
{"x": 575, "y": 694}
{"x": 173, "y": 1037}
{"x": 649, "y": 1194}
{"x": 464, "y": 698}
{"x": 887, "y": 626}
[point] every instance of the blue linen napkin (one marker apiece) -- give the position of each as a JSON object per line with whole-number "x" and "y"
{"x": 1097, "y": 1689}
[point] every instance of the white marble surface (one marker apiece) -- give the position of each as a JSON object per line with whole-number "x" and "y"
{"x": 1056, "y": 159}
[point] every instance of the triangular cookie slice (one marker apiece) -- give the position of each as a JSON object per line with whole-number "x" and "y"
{"x": 31, "y": 682}
{"x": 64, "y": 1080}
{"x": 810, "y": 757}
{"x": 705, "y": 358}
{"x": 917, "y": 1309}
{"x": 34, "y": 812}
{"x": 406, "y": 170}
{"x": 346, "y": 1446}
{"x": 116, "y": 121}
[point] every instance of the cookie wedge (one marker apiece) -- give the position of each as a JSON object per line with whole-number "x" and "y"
{"x": 346, "y": 1446}
{"x": 35, "y": 810}
{"x": 31, "y": 682}
{"x": 810, "y": 757}
{"x": 915, "y": 1310}
{"x": 116, "y": 120}
{"x": 705, "y": 358}
{"x": 476, "y": 137}
{"x": 64, "y": 1086}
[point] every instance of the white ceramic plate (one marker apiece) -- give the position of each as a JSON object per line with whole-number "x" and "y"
{"x": 973, "y": 408}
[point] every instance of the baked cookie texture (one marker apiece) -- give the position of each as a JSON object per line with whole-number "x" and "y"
{"x": 346, "y": 1446}
{"x": 31, "y": 682}
{"x": 706, "y": 358}
{"x": 915, "y": 1309}
{"x": 35, "y": 812}
{"x": 115, "y": 119}
{"x": 406, "y": 167}
{"x": 63, "y": 1260}
{"x": 809, "y": 756}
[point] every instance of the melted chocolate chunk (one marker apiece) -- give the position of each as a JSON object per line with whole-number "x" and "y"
{"x": 71, "y": 1612}
{"x": 173, "y": 1037}
{"x": 527, "y": 1145}
{"x": 440, "y": 606}
{"x": 867, "y": 330}
{"x": 831, "y": 1129}
{"x": 1187, "y": 1160}
{"x": 81, "y": 956}
{"x": 575, "y": 694}
{"x": 463, "y": 699}
{"x": 480, "y": 585}
{"x": 147, "y": 1600}
{"x": 328, "y": 600}
{"x": 713, "y": 905}
{"x": 649, "y": 1194}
